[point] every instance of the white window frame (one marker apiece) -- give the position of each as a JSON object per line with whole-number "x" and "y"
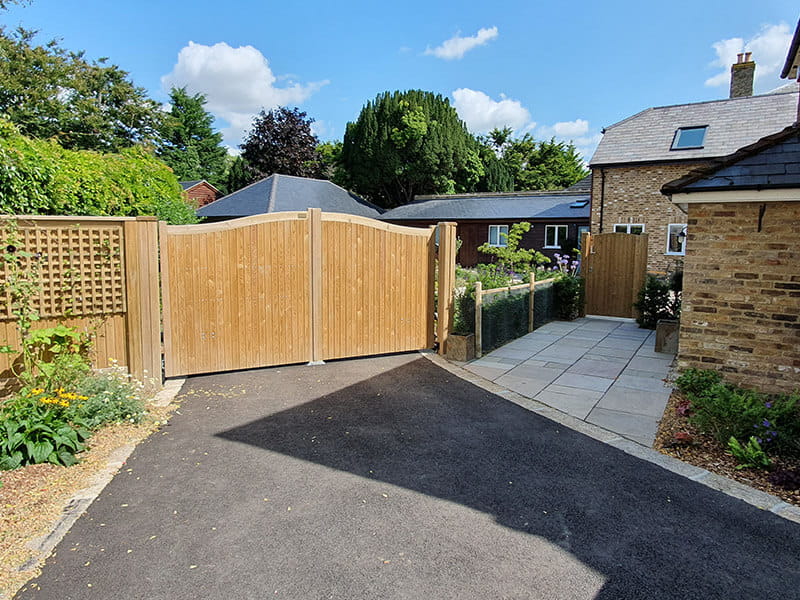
{"x": 502, "y": 242}
{"x": 628, "y": 227}
{"x": 680, "y": 227}
{"x": 558, "y": 238}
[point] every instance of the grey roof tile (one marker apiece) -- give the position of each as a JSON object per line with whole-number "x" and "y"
{"x": 732, "y": 124}
{"x": 280, "y": 193}
{"x": 544, "y": 205}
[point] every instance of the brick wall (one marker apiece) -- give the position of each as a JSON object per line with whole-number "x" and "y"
{"x": 633, "y": 195}
{"x": 741, "y": 303}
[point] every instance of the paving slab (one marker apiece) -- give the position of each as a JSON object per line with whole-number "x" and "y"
{"x": 650, "y": 403}
{"x": 578, "y": 403}
{"x": 584, "y": 382}
{"x": 527, "y": 386}
{"x": 639, "y": 428}
{"x": 657, "y": 365}
{"x": 597, "y": 368}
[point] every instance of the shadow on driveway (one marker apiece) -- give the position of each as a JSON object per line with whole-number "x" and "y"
{"x": 391, "y": 478}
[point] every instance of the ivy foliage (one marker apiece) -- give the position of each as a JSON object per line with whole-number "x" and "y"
{"x": 409, "y": 143}
{"x": 39, "y": 177}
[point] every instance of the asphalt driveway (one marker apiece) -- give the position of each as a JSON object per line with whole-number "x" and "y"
{"x": 391, "y": 478}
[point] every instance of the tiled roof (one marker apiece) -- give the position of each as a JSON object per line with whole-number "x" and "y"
{"x": 732, "y": 124}
{"x": 279, "y": 193}
{"x": 772, "y": 162}
{"x": 189, "y": 184}
{"x": 584, "y": 185}
{"x": 519, "y": 205}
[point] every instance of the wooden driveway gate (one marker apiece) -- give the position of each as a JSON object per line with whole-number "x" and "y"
{"x": 293, "y": 287}
{"x": 614, "y": 266}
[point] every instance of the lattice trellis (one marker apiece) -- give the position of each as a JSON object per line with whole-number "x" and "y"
{"x": 81, "y": 269}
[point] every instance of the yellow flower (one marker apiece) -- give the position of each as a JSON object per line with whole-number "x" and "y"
{"x": 36, "y": 392}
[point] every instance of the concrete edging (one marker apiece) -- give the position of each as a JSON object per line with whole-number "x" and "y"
{"x": 77, "y": 505}
{"x": 727, "y": 486}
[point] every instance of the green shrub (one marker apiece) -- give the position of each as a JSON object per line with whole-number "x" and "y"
{"x": 655, "y": 301}
{"x": 111, "y": 397}
{"x": 505, "y": 318}
{"x": 464, "y": 311}
{"x": 35, "y": 429}
{"x": 697, "y": 381}
{"x": 569, "y": 296}
{"x": 749, "y": 456}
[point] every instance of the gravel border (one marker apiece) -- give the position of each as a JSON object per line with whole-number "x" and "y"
{"x": 732, "y": 488}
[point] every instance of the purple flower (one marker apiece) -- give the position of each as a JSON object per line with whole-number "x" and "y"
{"x": 768, "y": 404}
{"x": 765, "y": 423}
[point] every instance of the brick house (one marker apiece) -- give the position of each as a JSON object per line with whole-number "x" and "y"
{"x": 557, "y": 219}
{"x": 200, "y": 192}
{"x": 741, "y": 298}
{"x": 643, "y": 152}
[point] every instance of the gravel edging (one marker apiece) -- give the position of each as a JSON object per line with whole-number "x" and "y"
{"x": 727, "y": 486}
{"x": 44, "y": 545}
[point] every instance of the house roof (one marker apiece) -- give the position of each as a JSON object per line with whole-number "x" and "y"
{"x": 187, "y": 185}
{"x": 731, "y": 124}
{"x": 279, "y": 193}
{"x": 584, "y": 185}
{"x": 511, "y": 206}
{"x": 771, "y": 162}
{"x": 793, "y": 57}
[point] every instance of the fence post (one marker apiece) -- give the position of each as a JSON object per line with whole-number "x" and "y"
{"x": 447, "y": 276}
{"x": 143, "y": 317}
{"x": 315, "y": 239}
{"x": 531, "y": 314}
{"x": 478, "y": 319}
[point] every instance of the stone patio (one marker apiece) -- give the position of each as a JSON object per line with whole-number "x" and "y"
{"x": 602, "y": 371}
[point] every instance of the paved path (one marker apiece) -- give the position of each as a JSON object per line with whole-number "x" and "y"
{"x": 602, "y": 371}
{"x": 393, "y": 478}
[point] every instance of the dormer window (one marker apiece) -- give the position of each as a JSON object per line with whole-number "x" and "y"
{"x": 689, "y": 138}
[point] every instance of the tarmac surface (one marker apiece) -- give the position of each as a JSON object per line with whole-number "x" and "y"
{"x": 391, "y": 477}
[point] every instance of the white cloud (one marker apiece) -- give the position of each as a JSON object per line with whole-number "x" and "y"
{"x": 769, "y": 51}
{"x": 566, "y": 129}
{"x": 237, "y": 83}
{"x": 457, "y": 46}
{"x": 482, "y": 114}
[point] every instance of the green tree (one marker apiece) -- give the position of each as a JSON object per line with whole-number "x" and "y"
{"x": 49, "y": 92}
{"x": 511, "y": 256}
{"x": 239, "y": 174}
{"x": 39, "y": 177}
{"x": 542, "y": 165}
{"x": 281, "y": 141}
{"x": 330, "y": 155}
{"x": 188, "y": 144}
{"x": 408, "y": 143}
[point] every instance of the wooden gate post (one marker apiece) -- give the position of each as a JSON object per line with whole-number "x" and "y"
{"x": 143, "y": 318}
{"x": 447, "y": 278}
{"x": 531, "y": 306}
{"x": 478, "y": 319}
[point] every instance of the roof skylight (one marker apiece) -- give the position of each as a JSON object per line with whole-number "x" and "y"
{"x": 687, "y": 138}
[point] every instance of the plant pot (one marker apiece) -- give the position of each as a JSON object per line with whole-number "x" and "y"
{"x": 667, "y": 336}
{"x": 461, "y": 347}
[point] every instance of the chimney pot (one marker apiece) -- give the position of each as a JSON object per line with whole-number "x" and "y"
{"x": 739, "y": 58}
{"x": 747, "y": 56}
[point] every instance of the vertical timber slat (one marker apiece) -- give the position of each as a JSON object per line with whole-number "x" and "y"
{"x": 478, "y": 319}
{"x": 316, "y": 275}
{"x": 531, "y": 307}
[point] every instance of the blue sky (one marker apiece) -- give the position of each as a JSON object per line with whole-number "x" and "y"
{"x": 563, "y": 69}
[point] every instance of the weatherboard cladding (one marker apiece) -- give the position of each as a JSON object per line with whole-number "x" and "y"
{"x": 282, "y": 193}
{"x": 484, "y": 208}
{"x": 732, "y": 123}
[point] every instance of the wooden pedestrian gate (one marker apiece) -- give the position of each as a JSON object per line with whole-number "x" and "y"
{"x": 293, "y": 287}
{"x": 614, "y": 266}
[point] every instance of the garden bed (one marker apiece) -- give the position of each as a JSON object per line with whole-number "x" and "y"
{"x": 33, "y": 498}
{"x": 706, "y": 452}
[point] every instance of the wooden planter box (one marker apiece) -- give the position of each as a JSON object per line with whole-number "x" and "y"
{"x": 667, "y": 336}
{"x": 461, "y": 347}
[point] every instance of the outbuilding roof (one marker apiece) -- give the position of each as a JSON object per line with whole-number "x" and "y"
{"x": 279, "y": 193}
{"x": 511, "y": 206}
{"x": 730, "y": 124}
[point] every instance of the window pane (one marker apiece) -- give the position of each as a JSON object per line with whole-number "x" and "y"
{"x": 620, "y": 229}
{"x": 492, "y": 235}
{"x": 562, "y": 234}
{"x": 637, "y": 229}
{"x": 689, "y": 137}
{"x": 550, "y": 236}
{"x": 676, "y": 239}
{"x": 502, "y": 235}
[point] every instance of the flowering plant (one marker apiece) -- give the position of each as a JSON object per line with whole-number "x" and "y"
{"x": 566, "y": 265}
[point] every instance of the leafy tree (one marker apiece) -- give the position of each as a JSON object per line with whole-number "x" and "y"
{"x": 542, "y": 165}
{"x": 49, "y": 92}
{"x": 188, "y": 143}
{"x": 511, "y": 256}
{"x": 239, "y": 174}
{"x": 330, "y": 154}
{"x": 408, "y": 143}
{"x": 281, "y": 141}
{"x": 39, "y": 177}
